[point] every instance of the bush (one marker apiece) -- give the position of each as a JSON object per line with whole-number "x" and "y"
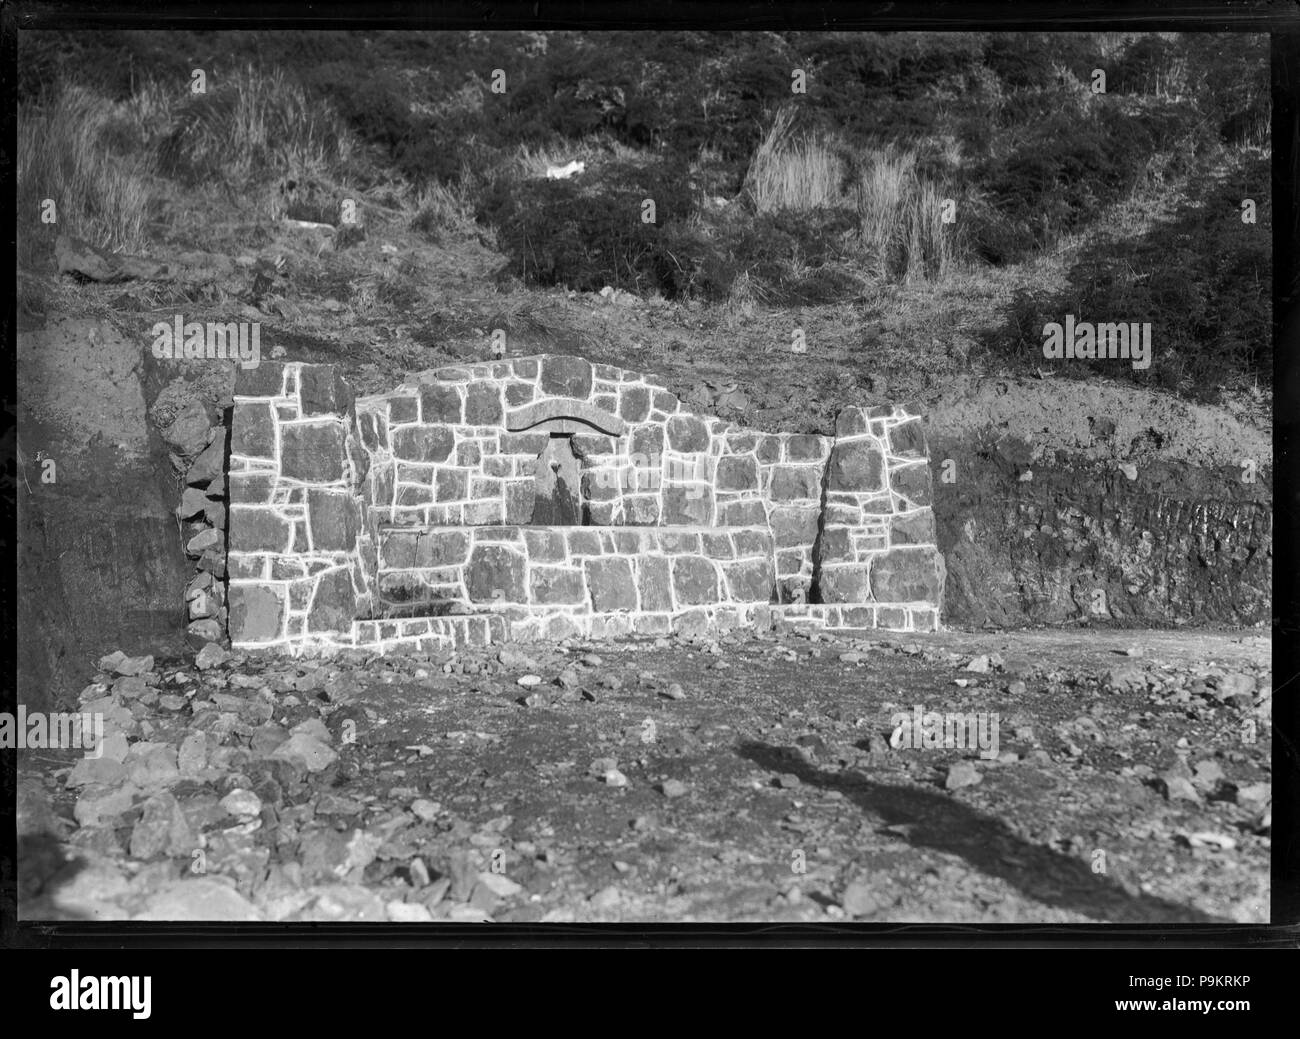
{"x": 1209, "y": 308}
{"x": 779, "y": 259}
{"x": 587, "y": 232}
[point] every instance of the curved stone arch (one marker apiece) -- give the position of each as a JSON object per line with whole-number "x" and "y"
{"x": 565, "y": 415}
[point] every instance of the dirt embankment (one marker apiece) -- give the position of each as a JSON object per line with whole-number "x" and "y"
{"x": 1062, "y": 503}
{"x": 100, "y": 560}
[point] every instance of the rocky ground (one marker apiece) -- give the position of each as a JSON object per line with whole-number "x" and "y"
{"x": 746, "y": 778}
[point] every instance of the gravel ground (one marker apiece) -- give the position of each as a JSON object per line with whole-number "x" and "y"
{"x": 745, "y": 778}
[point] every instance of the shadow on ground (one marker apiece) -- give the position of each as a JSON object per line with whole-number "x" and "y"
{"x": 939, "y": 822}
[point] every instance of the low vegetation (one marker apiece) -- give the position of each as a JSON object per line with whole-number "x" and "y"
{"x": 909, "y": 159}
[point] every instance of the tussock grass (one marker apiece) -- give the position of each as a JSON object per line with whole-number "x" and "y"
{"x": 445, "y": 212}
{"x": 65, "y": 153}
{"x": 793, "y": 173}
{"x": 900, "y": 217}
{"x": 252, "y": 125}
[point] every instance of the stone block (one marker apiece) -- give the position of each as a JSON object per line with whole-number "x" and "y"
{"x": 434, "y": 548}
{"x": 794, "y": 525}
{"x": 768, "y": 449}
{"x": 530, "y": 444}
{"x": 718, "y": 546}
{"x": 599, "y": 485}
{"x": 519, "y": 393}
{"x": 583, "y": 542}
{"x": 665, "y": 402}
{"x": 913, "y": 483}
{"x": 609, "y": 582}
{"x": 496, "y": 572}
{"x": 634, "y": 403}
{"x": 737, "y": 473}
{"x": 742, "y": 514}
{"x": 374, "y": 430}
{"x": 648, "y": 445}
{"x": 266, "y": 380}
{"x": 805, "y": 447}
{"x": 483, "y": 404}
{"x": 423, "y": 443}
{"x": 545, "y": 546}
{"x": 892, "y": 617}
{"x": 256, "y": 613}
{"x": 334, "y": 517}
{"x": 795, "y": 482}
{"x": 908, "y": 439}
{"x": 255, "y": 529}
{"x": 695, "y": 580}
{"x": 334, "y": 604}
{"x": 323, "y": 391}
{"x": 397, "y": 549}
{"x": 912, "y": 528}
{"x": 851, "y": 422}
{"x": 749, "y": 580}
{"x": 835, "y": 545}
{"x": 565, "y": 376}
{"x": 312, "y": 452}
{"x": 691, "y": 623}
{"x": 689, "y": 505}
{"x": 652, "y": 624}
{"x": 641, "y": 510}
{"x": 556, "y": 585}
{"x": 403, "y": 409}
{"x": 686, "y": 434}
{"x": 856, "y": 465}
{"x": 520, "y": 495}
{"x": 752, "y": 543}
{"x": 252, "y": 430}
{"x": 838, "y": 584}
{"x": 441, "y": 402}
{"x": 450, "y": 485}
{"x": 908, "y": 575}
{"x": 676, "y": 542}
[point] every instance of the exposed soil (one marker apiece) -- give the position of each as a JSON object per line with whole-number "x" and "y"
{"x": 1133, "y": 785}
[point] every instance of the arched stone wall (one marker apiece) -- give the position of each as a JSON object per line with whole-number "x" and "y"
{"x": 404, "y": 518}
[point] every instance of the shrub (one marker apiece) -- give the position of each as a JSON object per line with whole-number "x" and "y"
{"x": 1209, "y": 308}
{"x": 780, "y": 259}
{"x": 587, "y": 232}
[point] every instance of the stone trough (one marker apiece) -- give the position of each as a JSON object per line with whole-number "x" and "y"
{"x": 540, "y": 497}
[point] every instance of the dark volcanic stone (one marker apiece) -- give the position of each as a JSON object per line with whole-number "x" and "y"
{"x": 564, "y": 376}
{"x": 857, "y": 465}
{"x": 312, "y": 452}
{"x": 495, "y": 571}
{"x": 695, "y": 581}
{"x": 907, "y": 575}
{"x": 686, "y": 433}
{"x": 423, "y": 443}
{"x": 334, "y": 606}
{"x": 609, "y": 581}
{"x": 440, "y": 402}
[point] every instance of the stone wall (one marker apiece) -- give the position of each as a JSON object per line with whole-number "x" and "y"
{"x": 550, "y": 582}
{"x": 407, "y": 518}
{"x": 453, "y": 447}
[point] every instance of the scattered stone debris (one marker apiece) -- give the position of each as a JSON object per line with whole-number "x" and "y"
{"x": 365, "y": 789}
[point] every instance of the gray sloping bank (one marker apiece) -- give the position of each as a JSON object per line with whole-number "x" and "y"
{"x": 1060, "y": 490}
